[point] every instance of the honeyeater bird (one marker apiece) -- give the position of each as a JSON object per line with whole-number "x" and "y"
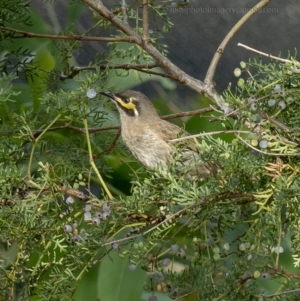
{"x": 148, "y": 137}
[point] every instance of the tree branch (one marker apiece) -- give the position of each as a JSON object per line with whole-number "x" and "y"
{"x": 145, "y": 36}
{"x": 26, "y": 34}
{"x": 124, "y": 11}
{"x": 107, "y": 128}
{"x": 177, "y": 74}
{"x": 266, "y": 54}
{"x": 141, "y": 68}
{"x": 213, "y": 65}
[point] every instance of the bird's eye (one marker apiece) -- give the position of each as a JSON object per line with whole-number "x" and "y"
{"x": 126, "y": 100}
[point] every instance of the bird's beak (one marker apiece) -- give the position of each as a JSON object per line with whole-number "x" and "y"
{"x": 109, "y": 95}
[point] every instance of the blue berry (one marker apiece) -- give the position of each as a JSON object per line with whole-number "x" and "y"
{"x": 166, "y": 262}
{"x": 87, "y": 216}
{"x": 115, "y": 246}
{"x": 277, "y": 88}
{"x": 281, "y": 93}
{"x": 253, "y": 106}
{"x": 106, "y": 208}
{"x": 132, "y": 267}
{"x": 68, "y": 228}
{"x": 226, "y": 109}
{"x": 91, "y": 93}
{"x": 271, "y": 102}
{"x": 98, "y": 214}
{"x": 105, "y": 215}
{"x": 87, "y": 208}
{"x": 296, "y": 69}
{"x": 265, "y": 276}
{"x": 69, "y": 200}
{"x": 75, "y": 238}
{"x": 263, "y": 144}
{"x": 174, "y": 248}
{"x": 282, "y": 105}
{"x": 251, "y": 99}
{"x": 210, "y": 241}
{"x": 96, "y": 220}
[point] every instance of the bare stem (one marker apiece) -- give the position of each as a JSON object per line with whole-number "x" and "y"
{"x": 35, "y": 143}
{"x": 265, "y": 54}
{"x": 124, "y": 11}
{"x": 107, "y": 128}
{"x": 26, "y": 34}
{"x": 145, "y": 36}
{"x": 209, "y": 134}
{"x": 213, "y": 65}
{"x": 143, "y": 68}
{"x": 92, "y": 161}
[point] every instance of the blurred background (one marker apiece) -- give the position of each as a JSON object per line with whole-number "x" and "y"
{"x": 198, "y": 30}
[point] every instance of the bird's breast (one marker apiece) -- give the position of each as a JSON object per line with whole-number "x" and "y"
{"x": 147, "y": 147}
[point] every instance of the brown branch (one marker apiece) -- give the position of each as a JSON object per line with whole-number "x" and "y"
{"x": 178, "y": 75}
{"x": 145, "y": 36}
{"x": 74, "y": 192}
{"x": 112, "y": 145}
{"x": 107, "y": 128}
{"x": 213, "y": 65}
{"x": 99, "y": 7}
{"x": 156, "y": 73}
{"x": 124, "y": 11}
{"x": 166, "y": 117}
{"x": 26, "y": 34}
{"x": 142, "y": 68}
{"x": 188, "y": 113}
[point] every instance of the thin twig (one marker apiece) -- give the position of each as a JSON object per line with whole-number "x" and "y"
{"x": 167, "y": 219}
{"x": 35, "y": 143}
{"x": 265, "y": 54}
{"x": 92, "y": 161}
{"x": 266, "y": 153}
{"x": 188, "y": 113}
{"x": 276, "y": 122}
{"x": 116, "y": 127}
{"x": 141, "y": 67}
{"x": 74, "y": 192}
{"x": 26, "y": 34}
{"x": 282, "y": 293}
{"x": 112, "y": 145}
{"x": 124, "y": 11}
{"x": 213, "y": 65}
{"x": 209, "y": 134}
{"x": 145, "y": 36}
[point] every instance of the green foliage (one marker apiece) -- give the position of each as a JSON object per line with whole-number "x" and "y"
{"x": 233, "y": 236}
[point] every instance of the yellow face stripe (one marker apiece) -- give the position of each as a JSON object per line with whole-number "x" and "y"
{"x": 129, "y": 106}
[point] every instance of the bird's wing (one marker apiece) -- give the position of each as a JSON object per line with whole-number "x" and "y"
{"x": 169, "y": 131}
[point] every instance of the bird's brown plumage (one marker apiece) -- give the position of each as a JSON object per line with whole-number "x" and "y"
{"x": 148, "y": 136}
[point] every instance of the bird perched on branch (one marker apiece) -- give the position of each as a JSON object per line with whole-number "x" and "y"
{"x": 148, "y": 137}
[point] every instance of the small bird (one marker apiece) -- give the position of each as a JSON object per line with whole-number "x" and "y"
{"x": 148, "y": 137}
